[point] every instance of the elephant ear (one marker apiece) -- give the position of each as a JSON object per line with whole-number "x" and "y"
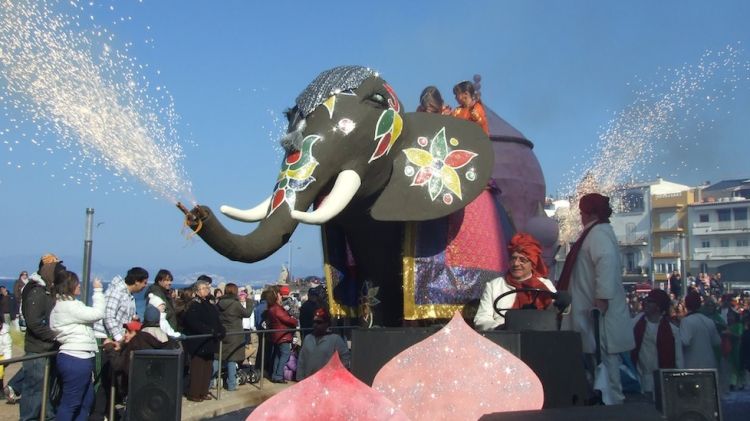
{"x": 440, "y": 164}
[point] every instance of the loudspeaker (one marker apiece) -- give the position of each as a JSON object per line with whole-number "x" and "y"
{"x": 555, "y": 357}
{"x": 523, "y": 320}
{"x": 373, "y": 348}
{"x": 155, "y": 385}
{"x": 687, "y": 395}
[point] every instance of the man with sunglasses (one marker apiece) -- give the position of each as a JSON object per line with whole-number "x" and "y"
{"x": 318, "y": 348}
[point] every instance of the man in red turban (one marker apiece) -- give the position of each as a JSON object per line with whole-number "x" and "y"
{"x": 527, "y": 270}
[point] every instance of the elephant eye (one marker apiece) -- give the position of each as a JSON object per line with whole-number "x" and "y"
{"x": 378, "y": 99}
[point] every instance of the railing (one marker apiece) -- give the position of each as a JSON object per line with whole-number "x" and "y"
{"x": 739, "y": 252}
{"x": 113, "y": 390}
{"x": 701, "y": 228}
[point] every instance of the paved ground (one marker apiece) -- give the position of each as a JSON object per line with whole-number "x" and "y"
{"x": 235, "y": 406}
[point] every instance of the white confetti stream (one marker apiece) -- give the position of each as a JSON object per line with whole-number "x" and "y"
{"x": 99, "y": 102}
{"x": 660, "y": 114}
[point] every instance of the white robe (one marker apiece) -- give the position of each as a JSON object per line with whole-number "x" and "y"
{"x": 699, "y": 336}
{"x": 648, "y": 357}
{"x": 486, "y": 317}
{"x": 597, "y": 274}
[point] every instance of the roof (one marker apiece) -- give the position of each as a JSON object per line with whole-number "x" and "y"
{"x": 501, "y": 130}
{"x": 726, "y": 184}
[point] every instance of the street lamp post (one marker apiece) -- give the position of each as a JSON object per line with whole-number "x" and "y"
{"x": 289, "y": 270}
{"x": 87, "y": 248}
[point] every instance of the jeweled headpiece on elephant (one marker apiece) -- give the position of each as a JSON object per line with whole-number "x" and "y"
{"x": 330, "y": 82}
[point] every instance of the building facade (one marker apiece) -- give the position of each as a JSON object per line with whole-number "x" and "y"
{"x": 719, "y": 233}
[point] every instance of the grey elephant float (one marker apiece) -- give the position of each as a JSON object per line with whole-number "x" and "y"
{"x": 368, "y": 170}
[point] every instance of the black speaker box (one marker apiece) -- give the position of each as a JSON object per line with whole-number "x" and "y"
{"x": 687, "y": 394}
{"x": 155, "y": 385}
{"x": 555, "y": 357}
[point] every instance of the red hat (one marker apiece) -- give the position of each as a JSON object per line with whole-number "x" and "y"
{"x": 693, "y": 301}
{"x": 595, "y": 204}
{"x": 528, "y": 246}
{"x": 660, "y": 297}
{"x": 284, "y": 290}
{"x": 322, "y": 314}
{"x": 133, "y": 325}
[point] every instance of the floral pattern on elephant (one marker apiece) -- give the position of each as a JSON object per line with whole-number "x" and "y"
{"x": 296, "y": 174}
{"x": 389, "y": 125}
{"x": 438, "y": 165}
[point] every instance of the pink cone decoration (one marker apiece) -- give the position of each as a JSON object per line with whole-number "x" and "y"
{"x": 457, "y": 374}
{"x": 330, "y": 394}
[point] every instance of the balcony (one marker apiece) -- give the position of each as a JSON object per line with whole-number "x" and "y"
{"x": 633, "y": 240}
{"x": 666, "y": 254}
{"x": 728, "y": 227}
{"x": 721, "y": 253}
{"x": 669, "y": 230}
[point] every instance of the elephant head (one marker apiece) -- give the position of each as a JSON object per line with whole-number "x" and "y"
{"x": 349, "y": 140}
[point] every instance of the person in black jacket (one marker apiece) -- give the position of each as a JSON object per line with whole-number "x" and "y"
{"x": 162, "y": 288}
{"x": 38, "y": 301}
{"x": 201, "y": 318}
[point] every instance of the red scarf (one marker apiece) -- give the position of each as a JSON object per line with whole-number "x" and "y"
{"x": 664, "y": 342}
{"x": 564, "y": 280}
{"x": 523, "y": 298}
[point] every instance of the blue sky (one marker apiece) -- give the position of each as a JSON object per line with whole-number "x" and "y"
{"x": 557, "y": 71}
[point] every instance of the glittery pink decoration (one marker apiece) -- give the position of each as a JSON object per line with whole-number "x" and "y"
{"x": 457, "y": 374}
{"x": 332, "y": 393}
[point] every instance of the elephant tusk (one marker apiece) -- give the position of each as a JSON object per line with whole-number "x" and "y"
{"x": 346, "y": 186}
{"x": 249, "y": 215}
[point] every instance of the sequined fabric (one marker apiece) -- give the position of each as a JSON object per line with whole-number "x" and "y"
{"x": 329, "y": 82}
{"x": 447, "y": 261}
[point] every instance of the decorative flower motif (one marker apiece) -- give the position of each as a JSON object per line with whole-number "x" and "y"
{"x": 437, "y": 167}
{"x": 389, "y": 126}
{"x": 296, "y": 174}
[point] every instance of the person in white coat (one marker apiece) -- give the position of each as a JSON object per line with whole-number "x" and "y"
{"x": 698, "y": 335}
{"x": 657, "y": 339}
{"x": 527, "y": 270}
{"x": 6, "y": 351}
{"x": 593, "y": 275}
{"x": 74, "y": 323}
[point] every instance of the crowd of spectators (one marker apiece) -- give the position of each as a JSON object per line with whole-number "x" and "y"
{"x": 711, "y": 326}
{"x": 95, "y": 343}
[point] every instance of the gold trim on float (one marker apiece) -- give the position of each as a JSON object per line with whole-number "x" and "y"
{"x": 336, "y": 309}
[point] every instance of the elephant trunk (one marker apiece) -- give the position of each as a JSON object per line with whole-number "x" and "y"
{"x": 270, "y": 235}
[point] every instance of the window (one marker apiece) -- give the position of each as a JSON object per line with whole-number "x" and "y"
{"x": 668, "y": 220}
{"x": 669, "y": 244}
{"x": 740, "y": 218}
{"x": 630, "y": 233}
{"x": 725, "y": 218}
{"x": 630, "y": 262}
{"x": 666, "y": 267}
{"x": 724, "y": 243}
{"x": 705, "y": 244}
{"x": 742, "y": 242}
{"x": 633, "y": 202}
{"x": 703, "y": 217}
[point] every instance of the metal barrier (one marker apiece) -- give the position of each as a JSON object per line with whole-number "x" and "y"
{"x": 113, "y": 390}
